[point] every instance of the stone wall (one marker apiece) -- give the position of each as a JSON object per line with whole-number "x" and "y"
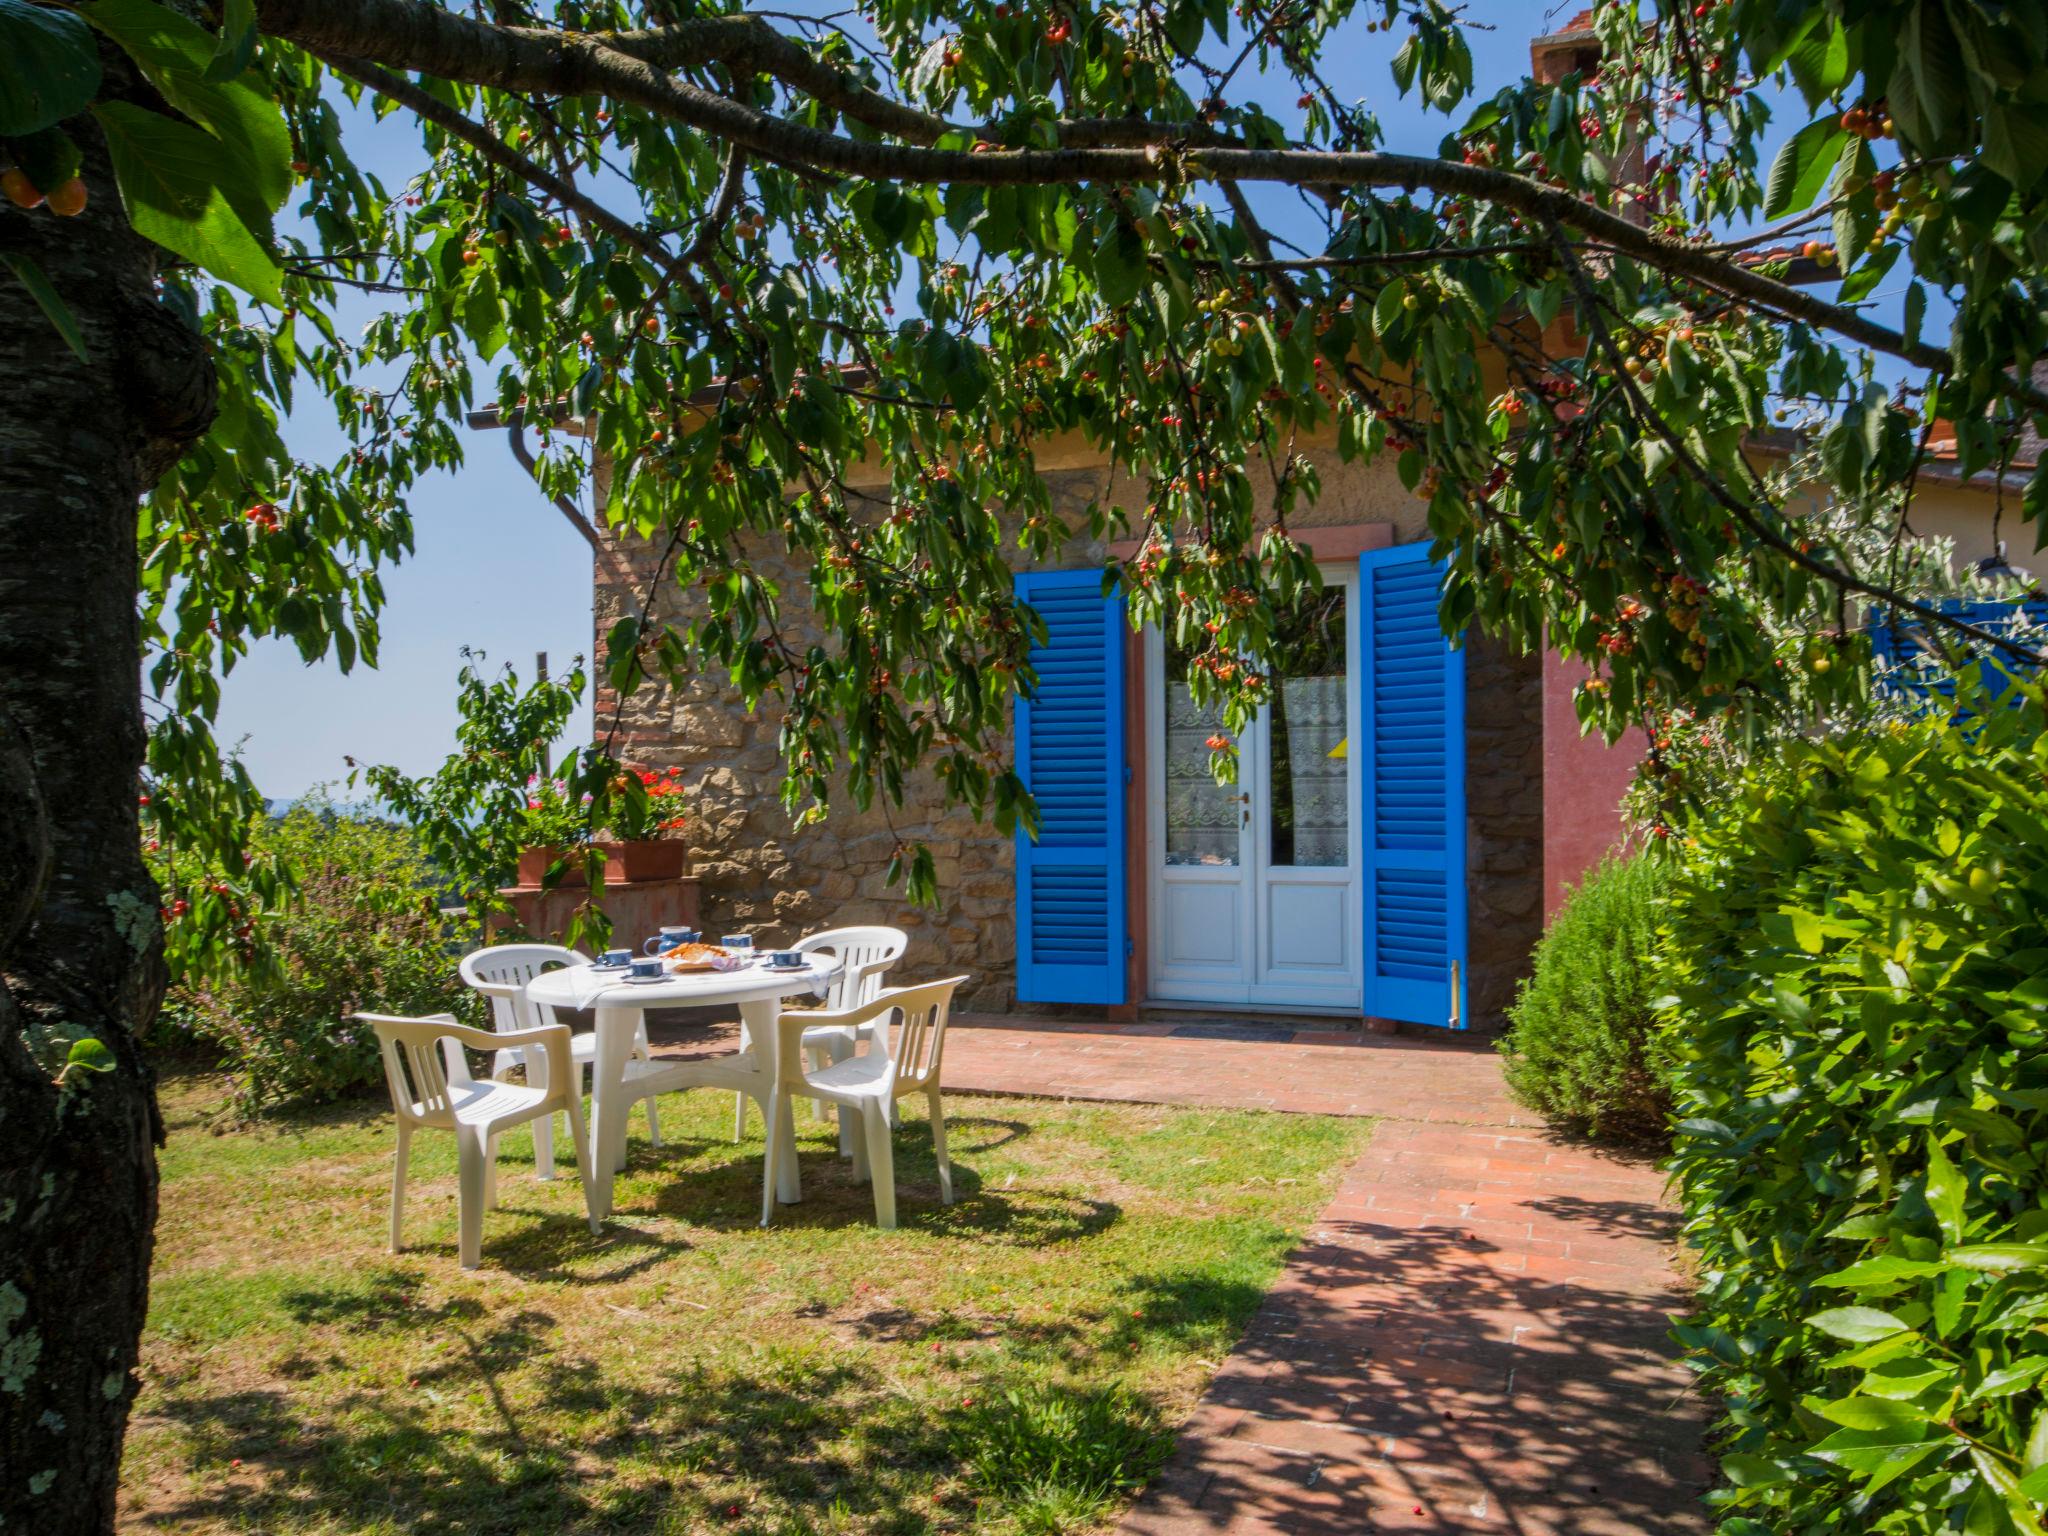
{"x": 758, "y": 873}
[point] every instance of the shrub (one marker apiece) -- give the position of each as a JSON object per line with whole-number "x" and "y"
{"x": 1583, "y": 1046}
{"x": 362, "y": 934}
{"x": 1862, "y": 978}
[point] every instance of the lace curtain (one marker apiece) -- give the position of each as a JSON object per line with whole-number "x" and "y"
{"x": 1314, "y": 708}
{"x": 1201, "y": 815}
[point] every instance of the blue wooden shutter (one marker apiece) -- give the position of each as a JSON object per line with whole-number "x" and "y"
{"x": 1070, "y": 754}
{"x": 1413, "y": 772}
{"x": 1901, "y": 643}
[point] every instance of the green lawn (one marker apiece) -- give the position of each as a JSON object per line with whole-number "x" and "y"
{"x": 1011, "y": 1363}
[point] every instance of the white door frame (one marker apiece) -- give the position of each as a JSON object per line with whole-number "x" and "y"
{"x": 1250, "y": 975}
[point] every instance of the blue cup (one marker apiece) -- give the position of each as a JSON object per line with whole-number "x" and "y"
{"x": 786, "y": 959}
{"x": 670, "y": 937}
{"x": 738, "y": 941}
{"x": 615, "y": 957}
{"x": 649, "y": 966}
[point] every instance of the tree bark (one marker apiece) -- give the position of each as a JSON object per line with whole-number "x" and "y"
{"x": 80, "y": 936}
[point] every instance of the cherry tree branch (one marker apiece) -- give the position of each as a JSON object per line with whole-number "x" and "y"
{"x": 411, "y": 35}
{"x": 1742, "y": 511}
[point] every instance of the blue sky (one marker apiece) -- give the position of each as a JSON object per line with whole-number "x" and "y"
{"x": 496, "y": 568}
{"x": 500, "y": 570}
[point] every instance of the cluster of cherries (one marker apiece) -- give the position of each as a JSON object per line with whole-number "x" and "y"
{"x": 67, "y": 200}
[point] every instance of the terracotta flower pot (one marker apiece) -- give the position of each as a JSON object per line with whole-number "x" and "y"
{"x": 534, "y": 862}
{"x": 658, "y": 858}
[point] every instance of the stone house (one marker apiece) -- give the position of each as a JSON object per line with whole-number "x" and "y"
{"x": 1406, "y": 815}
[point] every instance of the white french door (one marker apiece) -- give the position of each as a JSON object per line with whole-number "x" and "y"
{"x": 1254, "y": 886}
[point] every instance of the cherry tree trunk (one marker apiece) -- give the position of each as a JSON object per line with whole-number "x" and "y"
{"x": 80, "y": 940}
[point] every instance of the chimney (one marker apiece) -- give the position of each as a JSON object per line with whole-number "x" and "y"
{"x": 1574, "y": 47}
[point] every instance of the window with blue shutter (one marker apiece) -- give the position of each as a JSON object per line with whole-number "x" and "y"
{"x": 1070, "y": 754}
{"x": 1413, "y": 774}
{"x": 1902, "y": 645}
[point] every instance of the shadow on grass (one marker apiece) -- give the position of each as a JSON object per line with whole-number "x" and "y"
{"x": 1200, "y": 1312}
{"x": 752, "y": 1451}
{"x": 726, "y": 1195}
{"x": 765, "y": 1450}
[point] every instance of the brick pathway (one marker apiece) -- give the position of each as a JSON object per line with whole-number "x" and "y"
{"x": 1473, "y": 1338}
{"x": 1315, "y": 1071}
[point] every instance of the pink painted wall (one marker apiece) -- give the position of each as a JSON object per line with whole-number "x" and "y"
{"x": 1583, "y": 783}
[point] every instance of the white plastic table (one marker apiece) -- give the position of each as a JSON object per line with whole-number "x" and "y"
{"x": 752, "y": 1069}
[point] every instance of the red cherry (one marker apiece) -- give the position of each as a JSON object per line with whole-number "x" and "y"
{"x": 19, "y": 190}
{"x": 68, "y": 201}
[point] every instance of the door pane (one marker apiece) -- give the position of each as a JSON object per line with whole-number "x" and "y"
{"x": 1308, "y": 804}
{"x": 1201, "y": 815}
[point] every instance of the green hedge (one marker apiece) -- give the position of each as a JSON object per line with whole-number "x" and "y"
{"x": 1861, "y": 976}
{"x": 1582, "y": 1045}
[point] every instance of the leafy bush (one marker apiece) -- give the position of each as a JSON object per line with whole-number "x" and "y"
{"x": 1862, "y": 977}
{"x": 362, "y": 934}
{"x": 1053, "y": 1457}
{"x": 1583, "y": 1047}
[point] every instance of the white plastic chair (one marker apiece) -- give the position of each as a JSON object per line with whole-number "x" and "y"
{"x": 431, "y": 1085}
{"x": 865, "y": 955}
{"x": 868, "y": 1086}
{"x": 501, "y": 973}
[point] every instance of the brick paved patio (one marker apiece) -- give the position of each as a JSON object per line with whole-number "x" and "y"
{"x": 1473, "y": 1337}
{"x": 1309, "y": 1071}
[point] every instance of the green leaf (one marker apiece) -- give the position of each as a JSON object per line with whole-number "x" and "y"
{"x": 237, "y": 41}
{"x": 1870, "y": 1412}
{"x": 1928, "y": 83}
{"x": 1884, "y": 1269}
{"x": 253, "y": 151}
{"x": 49, "y": 158}
{"x": 1120, "y": 270}
{"x": 1387, "y": 308}
{"x": 1747, "y": 1471}
{"x": 2036, "y": 1459}
{"x": 1946, "y": 1194}
{"x": 1801, "y": 168}
{"x": 1857, "y": 1325}
{"x": 1879, "y": 1454}
{"x": 1869, "y": 274}
{"x": 48, "y": 300}
{"x": 166, "y": 174}
{"x": 1807, "y": 930}
{"x": 2016, "y": 143}
{"x": 51, "y": 69}
{"x": 1907, "y": 1376}
{"x": 89, "y": 1055}
{"x": 1999, "y": 1258}
{"x": 2008, "y": 1379}
{"x": 1406, "y": 61}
